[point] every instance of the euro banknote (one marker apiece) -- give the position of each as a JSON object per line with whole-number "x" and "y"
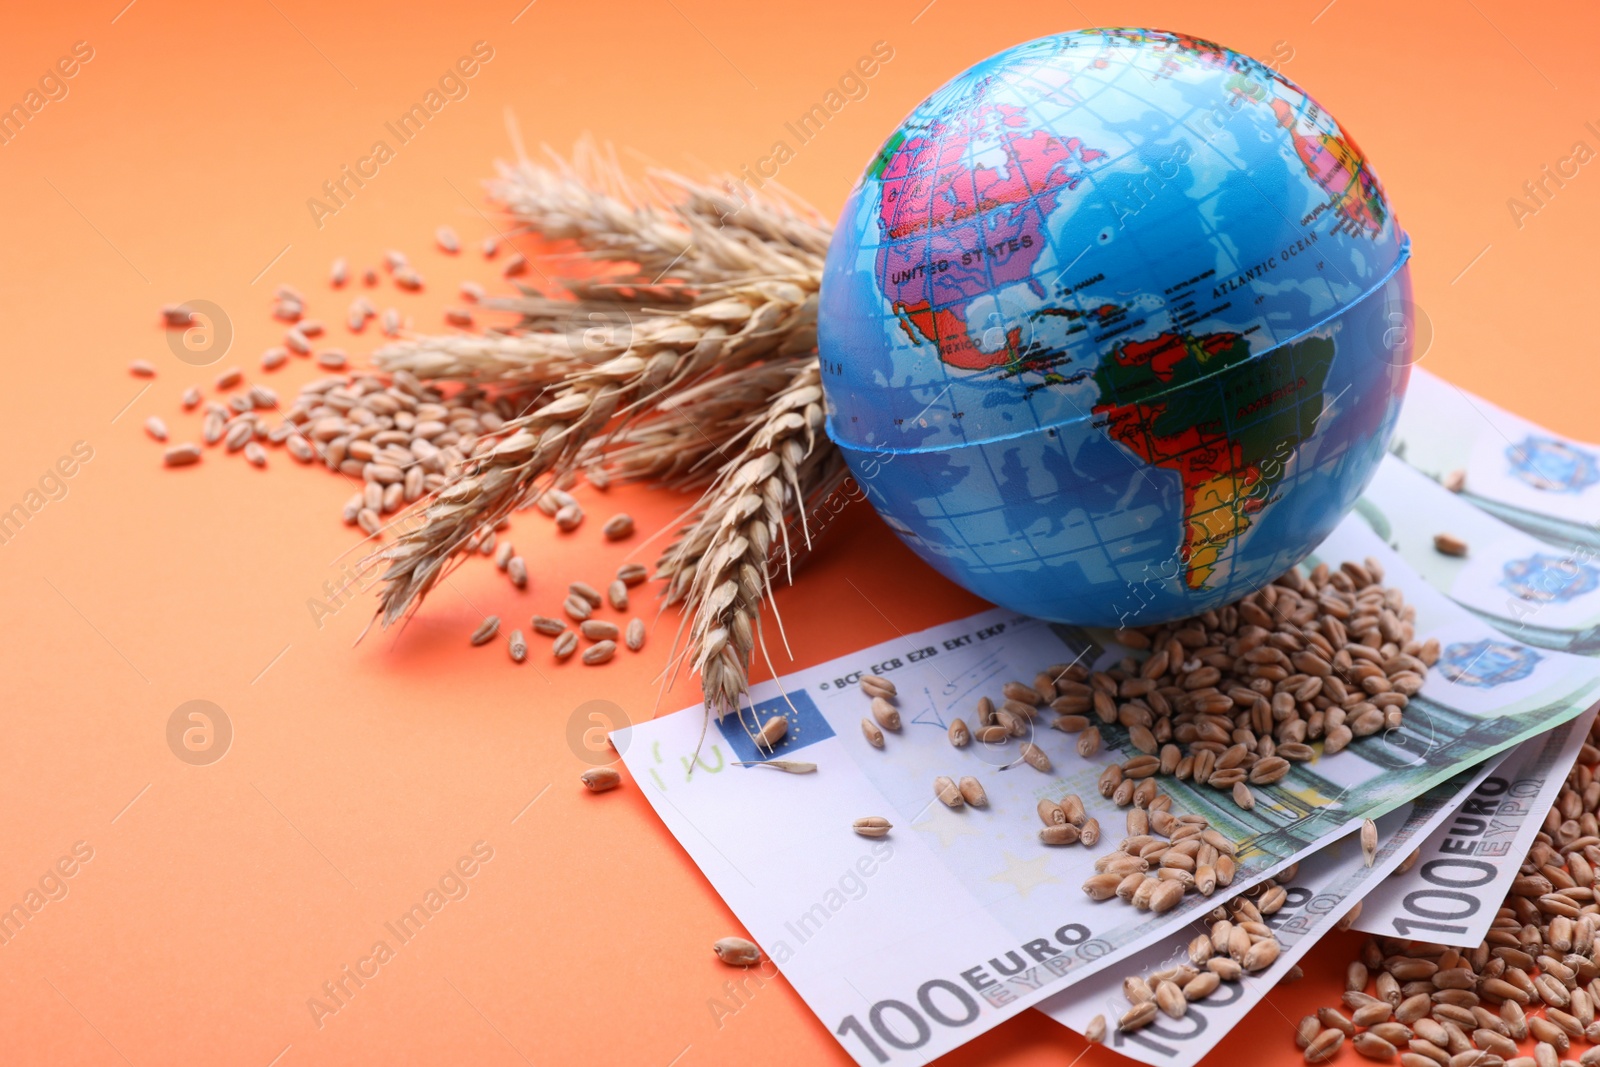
{"x": 1465, "y": 868}
{"x": 912, "y": 944}
{"x": 1541, "y": 593}
{"x": 1327, "y": 885}
{"x": 1522, "y": 473}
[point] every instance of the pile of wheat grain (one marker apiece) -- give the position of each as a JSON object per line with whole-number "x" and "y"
{"x": 682, "y": 355}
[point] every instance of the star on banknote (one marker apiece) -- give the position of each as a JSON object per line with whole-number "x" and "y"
{"x": 1025, "y": 875}
{"x": 948, "y": 824}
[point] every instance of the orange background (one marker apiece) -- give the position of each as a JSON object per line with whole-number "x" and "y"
{"x": 220, "y": 898}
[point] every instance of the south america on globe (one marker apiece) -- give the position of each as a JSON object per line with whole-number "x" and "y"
{"x": 1115, "y": 327}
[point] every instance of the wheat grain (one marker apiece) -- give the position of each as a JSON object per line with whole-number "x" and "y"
{"x": 948, "y": 793}
{"x": 1324, "y": 1046}
{"x": 873, "y": 732}
{"x": 972, "y": 792}
{"x": 874, "y": 686}
{"x": 181, "y": 455}
{"x": 772, "y": 732}
{"x": 1138, "y": 1017}
{"x": 599, "y": 630}
{"x": 600, "y": 779}
{"x": 569, "y": 517}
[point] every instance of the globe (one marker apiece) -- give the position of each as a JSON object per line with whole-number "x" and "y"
{"x": 1115, "y": 327}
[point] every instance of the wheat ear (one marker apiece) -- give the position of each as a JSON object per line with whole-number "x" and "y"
{"x": 730, "y": 328}
{"x": 684, "y": 441}
{"x": 721, "y": 566}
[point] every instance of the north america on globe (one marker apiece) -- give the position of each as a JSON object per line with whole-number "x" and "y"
{"x": 955, "y": 232}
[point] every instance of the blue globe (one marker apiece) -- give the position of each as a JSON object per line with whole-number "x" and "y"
{"x": 1115, "y": 327}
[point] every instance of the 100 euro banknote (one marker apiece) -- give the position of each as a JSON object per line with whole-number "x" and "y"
{"x": 1519, "y": 471}
{"x": 1327, "y": 885}
{"x": 910, "y": 946}
{"x": 1544, "y": 594}
{"x": 1465, "y": 867}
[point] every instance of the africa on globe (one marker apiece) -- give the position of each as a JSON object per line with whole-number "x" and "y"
{"x": 1114, "y": 327}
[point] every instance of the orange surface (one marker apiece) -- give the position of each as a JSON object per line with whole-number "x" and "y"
{"x": 220, "y": 898}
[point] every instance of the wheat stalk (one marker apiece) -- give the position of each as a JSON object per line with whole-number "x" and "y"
{"x": 684, "y": 441}
{"x": 536, "y": 361}
{"x": 721, "y": 566}
{"x": 694, "y": 343}
{"x": 704, "y": 240}
{"x": 688, "y": 231}
{"x": 729, "y": 328}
